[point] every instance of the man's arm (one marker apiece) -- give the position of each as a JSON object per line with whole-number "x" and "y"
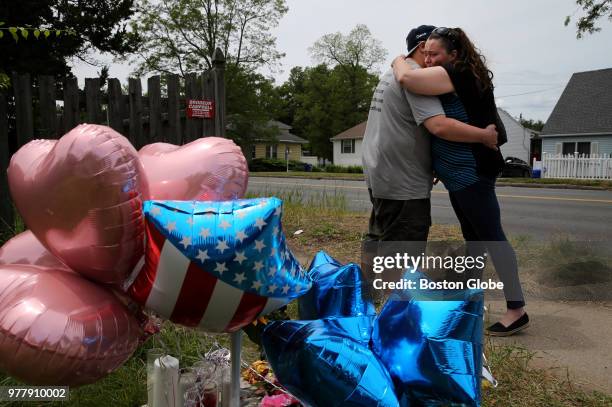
{"x": 454, "y": 130}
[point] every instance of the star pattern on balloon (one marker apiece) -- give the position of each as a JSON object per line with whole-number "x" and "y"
{"x": 246, "y": 234}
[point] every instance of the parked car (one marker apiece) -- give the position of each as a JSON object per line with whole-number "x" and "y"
{"x": 515, "y": 167}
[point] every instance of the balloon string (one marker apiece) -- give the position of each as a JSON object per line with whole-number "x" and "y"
{"x": 13, "y": 230}
{"x": 246, "y": 365}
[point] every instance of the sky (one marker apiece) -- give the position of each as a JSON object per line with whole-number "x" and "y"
{"x": 528, "y": 48}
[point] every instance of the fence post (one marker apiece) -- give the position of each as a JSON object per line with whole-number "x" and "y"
{"x": 135, "y": 89}
{"x": 208, "y": 93}
{"x": 575, "y": 164}
{"x": 192, "y": 91}
{"x": 71, "y": 115}
{"x": 116, "y": 105}
{"x": 154, "y": 91}
{"x": 6, "y": 207}
{"x": 174, "y": 111}
{"x": 22, "y": 86}
{"x": 48, "y": 113}
{"x": 92, "y": 100}
{"x": 219, "y": 80}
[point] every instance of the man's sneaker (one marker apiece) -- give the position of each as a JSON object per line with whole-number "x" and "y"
{"x": 497, "y": 329}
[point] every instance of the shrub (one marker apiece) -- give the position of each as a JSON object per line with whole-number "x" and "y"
{"x": 274, "y": 165}
{"x": 351, "y": 169}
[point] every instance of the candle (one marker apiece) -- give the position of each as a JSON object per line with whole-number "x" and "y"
{"x": 186, "y": 380}
{"x": 165, "y": 380}
{"x": 152, "y": 355}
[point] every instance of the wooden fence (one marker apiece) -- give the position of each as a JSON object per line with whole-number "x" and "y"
{"x": 577, "y": 166}
{"x": 30, "y": 110}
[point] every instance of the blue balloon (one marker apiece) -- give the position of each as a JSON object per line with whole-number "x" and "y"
{"x": 321, "y": 364}
{"x": 336, "y": 290}
{"x": 432, "y": 349}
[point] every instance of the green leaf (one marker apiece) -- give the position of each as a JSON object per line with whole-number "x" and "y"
{"x": 47, "y": 33}
{"x": 1, "y": 34}
{"x": 24, "y": 33}
{"x": 36, "y": 33}
{"x": 1, "y": 22}
{"x": 57, "y": 33}
{"x": 15, "y": 36}
{"x": 13, "y": 30}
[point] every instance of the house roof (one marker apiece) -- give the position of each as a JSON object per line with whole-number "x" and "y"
{"x": 291, "y": 138}
{"x": 284, "y": 136}
{"x": 280, "y": 125}
{"x": 505, "y": 116}
{"x": 584, "y": 107}
{"x": 356, "y": 132}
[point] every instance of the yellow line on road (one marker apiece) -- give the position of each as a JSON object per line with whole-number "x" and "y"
{"x": 548, "y": 198}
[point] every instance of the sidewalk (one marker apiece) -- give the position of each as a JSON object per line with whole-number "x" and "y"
{"x": 568, "y": 337}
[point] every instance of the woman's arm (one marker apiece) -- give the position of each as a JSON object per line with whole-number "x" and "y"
{"x": 432, "y": 81}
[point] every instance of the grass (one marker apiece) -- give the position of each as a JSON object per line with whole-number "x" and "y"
{"x": 523, "y": 385}
{"x": 555, "y": 181}
{"x": 327, "y": 225}
{"x": 312, "y": 175}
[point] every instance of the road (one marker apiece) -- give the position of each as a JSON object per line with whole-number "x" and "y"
{"x": 537, "y": 212}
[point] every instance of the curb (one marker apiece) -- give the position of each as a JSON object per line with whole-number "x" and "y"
{"x": 499, "y": 184}
{"x": 555, "y": 186}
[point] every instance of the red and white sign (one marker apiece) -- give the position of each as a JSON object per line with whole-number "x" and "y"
{"x": 200, "y": 109}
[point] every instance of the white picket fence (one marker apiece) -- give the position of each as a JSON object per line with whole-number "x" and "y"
{"x": 577, "y": 166}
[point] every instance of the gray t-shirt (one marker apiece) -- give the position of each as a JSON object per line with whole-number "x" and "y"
{"x": 396, "y": 151}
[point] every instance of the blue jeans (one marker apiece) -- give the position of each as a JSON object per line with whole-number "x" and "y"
{"x": 478, "y": 212}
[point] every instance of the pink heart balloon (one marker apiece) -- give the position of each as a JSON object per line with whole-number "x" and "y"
{"x": 82, "y": 198}
{"x": 57, "y": 328}
{"x": 25, "y": 249}
{"x": 207, "y": 169}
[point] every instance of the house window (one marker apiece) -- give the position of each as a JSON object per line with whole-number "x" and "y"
{"x": 583, "y": 148}
{"x": 348, "y": 146}
{"x": 272, "y": 151}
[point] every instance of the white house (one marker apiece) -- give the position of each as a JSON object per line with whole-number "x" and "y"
{"x": 347, "y": 145}
{"x": 582, "y": 118}
{"x": 519, "y": 137}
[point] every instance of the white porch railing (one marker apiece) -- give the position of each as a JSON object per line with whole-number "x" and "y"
{"x": 577, "y": 166}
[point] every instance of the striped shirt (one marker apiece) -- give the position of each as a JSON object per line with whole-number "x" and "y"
{"x": 453, "y": 162}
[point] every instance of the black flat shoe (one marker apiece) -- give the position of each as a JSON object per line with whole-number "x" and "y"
{"x": 497, "y": 329}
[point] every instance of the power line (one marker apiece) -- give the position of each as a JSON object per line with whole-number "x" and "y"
{"x": 528, "y": 84}
{"x": 530, "y": 93}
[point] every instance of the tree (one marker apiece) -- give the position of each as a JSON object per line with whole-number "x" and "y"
{"x": 52, "y": 31}
{"x": 357, "y": 49}
{"x": 253, "y": 103}
{"x": 594, "y": 10}
{"x": 532, "y": 124}
{"x": 335, "y": 95}
{"x": 181, "y": 35}
{"x": 288, "y": 97}
{"x": 325, "y": 101}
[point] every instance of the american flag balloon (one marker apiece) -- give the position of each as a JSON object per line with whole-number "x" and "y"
{"x": 216, "y": 265}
